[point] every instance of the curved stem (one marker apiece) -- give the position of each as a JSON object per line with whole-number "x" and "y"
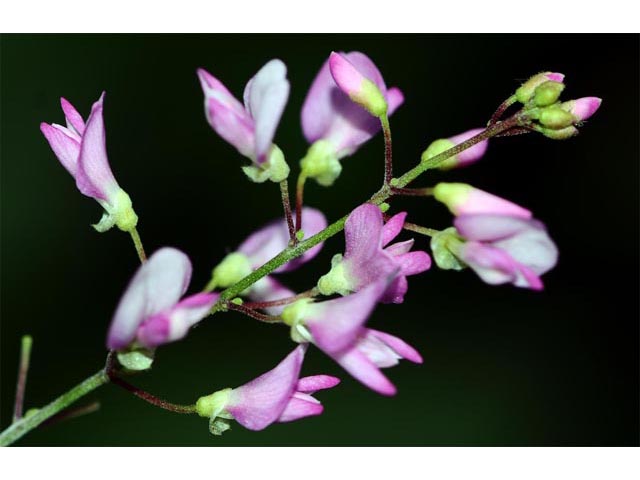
{"x": 152, "y": 399}
{"x": 26, "y": 424}
{"x": 283, "y": 301}
{"x": 138, "y": 244}
{"x": 286, "y": 205}
{"x": 253, "y": 314}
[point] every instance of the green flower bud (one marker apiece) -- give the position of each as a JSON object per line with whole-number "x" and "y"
{"x": 548, "y": 93}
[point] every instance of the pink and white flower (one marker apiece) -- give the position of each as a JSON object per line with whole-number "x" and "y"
{"x": 368, "y": 257}
{"x": 150, "y": 312}
{"x": 81, "y": 149}
{"x": 276, "y": 396}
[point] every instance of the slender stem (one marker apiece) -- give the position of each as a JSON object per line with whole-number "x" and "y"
{"x": 26, "y": 424}
{"x": 413, "y": 192}
{"x": 412, "y": 227}
{"x": 152, "y": 399}
{"x": 380, "y": 196}
{"x": 253, "y": 314}
{"x": 501, "y": 109}
{"x": 388, "y": 156}
{"x": 70, "y": 413}
{"x": 283, "y": 301}
{"x": 23, "y": 369}
{"x": 302, "y": 178}
{"x": 138, "y": 244}
{"x": 284, "y": 194}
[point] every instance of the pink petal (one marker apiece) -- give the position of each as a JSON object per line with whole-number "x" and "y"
{"x": 493, "y": 265}
{"x": 396, "y": 291}
{"x": 267, "y": 242}
{"x": 157, "y": 285}
{"x": 489, "y": 227}
{"x": 236, "y": 128}
{"x": 413, "y": 263}
{"x": 472, "y": 154}
{"x": 585, "y": 107}
{"x": 531, "y": 247}
{"x": 345, "y": 74}
{"x": 300, "y": 406}
{"x": 262, "y": 401}
{"x": 93, "y": 176}
{"x": 314, "y": 383}
{"x": 63, "y": 144}
{"x": 399, "y": 248}
{"x": 393, "y": 227}
{"x": 175, "y": 323}
{"x": 335, "y": 324}
{"x": 265, "y": 97}
{"x": 74, "y": 119}
{"x": 395, "y": 98}
{"x": 362, "y": 369}
{"x": 483, "y": 202}
{"x": 403, "y": 349}
{"x": 363, "y": 232}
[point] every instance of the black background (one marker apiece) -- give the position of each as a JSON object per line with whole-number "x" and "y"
{"x": 503, "y": 366}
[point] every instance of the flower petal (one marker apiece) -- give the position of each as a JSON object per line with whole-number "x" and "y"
{"x": 93, "y": 176}
{"x": 64, "y": 144}
{"x": 400, "y": 248}
{"x": 265, "y": 97}
{"x": 531, "y": 247}
{"x": 472, "y": 154}
{"x": 335, "y": 324}
{"x": 393, "y": 227}
{"x": 157, "y": 285}
{"x": 300, "y": 406}
{"x": 74, "y": 119}
{"x": 175, "y": 324}
{"x": 487, "y": 228}
{"x": 403, "y": 349}
{"x": 396, "y": 291}
{"x": 412, "y": 263}
{"x": 365, "y": 371}
{"x": 260, "y": 402}
{"x": 493, "y": 265}
{"x": 314, "y": 383}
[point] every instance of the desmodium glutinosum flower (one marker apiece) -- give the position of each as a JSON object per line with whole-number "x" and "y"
{"x": 81, "y": 148}
{"x": 368, "y": 257}
{"x": 150, "y": 311}
{"x": 250, "y": 128}
{"x": 336, "y": 327}
{"x": 334, "y": 124}
{"x": 279, "y": 395}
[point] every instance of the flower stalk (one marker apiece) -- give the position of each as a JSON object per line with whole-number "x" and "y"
{"x": 25, "y": 356}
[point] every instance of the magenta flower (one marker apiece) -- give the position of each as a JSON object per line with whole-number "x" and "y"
{"x": 336, "y": 327}
{"x": 150, "y": 312}
{"x": 366, "y": 259}
{"x": 251, "y": 128}
{"x": 276, "y": 396}
{"x": 81, "y": 148}
{"x": 260, "y": 247}
{"x": 334, "y": 124}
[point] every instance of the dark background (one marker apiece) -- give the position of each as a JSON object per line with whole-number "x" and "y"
{"x": 503, "y": 366}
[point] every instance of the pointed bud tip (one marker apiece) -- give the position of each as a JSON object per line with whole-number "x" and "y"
{"x": 586, "y": 107}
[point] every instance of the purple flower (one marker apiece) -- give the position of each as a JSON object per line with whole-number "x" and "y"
{"x": 276, "y": 396}
{"x": 336, "y": 327}
{"x": 260, "y": 247}
{"x": 333, "y": 123}
{"x": 150, "y": 312}
{"x": 251, "y": 128}
{"x": 81, "y": 148}
{"x": 366, "y": 259}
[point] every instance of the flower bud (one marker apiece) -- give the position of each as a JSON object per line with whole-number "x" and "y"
{"x": 548, "y": 93}
{"x": 582, "y": 108}
{"x": 321, "y": 163}
{"x": 444, "y": 244}
{"x": 463, "y": 199}
{"x": 561, "y": 134}
{"x": 233, "y": 268}
{"x": 359, "y": 88}
{"x": 556, "y": 118}
{"x": 528, "y": 88}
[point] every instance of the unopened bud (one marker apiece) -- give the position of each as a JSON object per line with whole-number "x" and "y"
{"x": 556, "y": 118}
{"x": 548, "y": 93}
{"x": 582, "y": 108}
{"x": 562, "y": 134}
{"x": 528, "y": 88}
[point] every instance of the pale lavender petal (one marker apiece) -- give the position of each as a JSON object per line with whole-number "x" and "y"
{"x": 531, "y": 247}
{"x": 74, "y": 119}
{"x": 393, "y": 227}
{"x": 212, "y": 87}
{"x": 403, "y": 349}
{"x": 260, "y": 402}
{"x": 335, "y": 324}
{"x": 493, "y": 265}
{"x": 93, "y": 176}
{"x": 265, "y": 96}
{"x": 300, "y": 406}
{"x": 365, "y": 371}
{"x": 157, "y": 285}
{"x": 472, "y": 154}
{"x": 413, "y": 263}
{"x": 235, "y": 128}
{"x": 175, "y": 323}
{"x": 399, "y": 248}
{"x": 268, "y": 289}
{"x": 63, "y": 144}
{"x": 318, "y": 110}
{"x": 267, "y": 242}
{"x": 489, "y": 227}
{"x": 395, "y": 98}
{"x": 314, "y": 383}
{"x": 378, "y": 352}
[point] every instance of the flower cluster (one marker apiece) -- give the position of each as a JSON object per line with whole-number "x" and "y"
{"x": 348, "y": 103}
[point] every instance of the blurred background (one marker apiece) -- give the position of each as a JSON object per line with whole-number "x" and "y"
{"x": 503, "y": 366}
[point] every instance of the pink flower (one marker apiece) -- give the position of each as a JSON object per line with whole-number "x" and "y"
{"x": 333, "y": 123}
{"x": 582, "y": 108}
{"x": 464, "y": 158}
{"x": 463, "y": 199}
{"x": 150, "y": 312}
{"x": 336, "y": 327}
{"x": 366, "y": 259}
{"x": 81, "y": 148}
{"x": 276, "y": 396}
{"x": 251, "y": 128}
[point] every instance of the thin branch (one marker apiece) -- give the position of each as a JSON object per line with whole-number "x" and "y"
{"x": 283, "y": 301}
{"x": 286, "y": 205}
{"x": 70, "y": 413}
{"x": 138, "y": 244}
{"x": 388, "y": 155}
{"x": 412, "y": 192}
{"x": 23, "y": 369}
{"x": 253, "y": 314}
{"x": 302, "y": 178}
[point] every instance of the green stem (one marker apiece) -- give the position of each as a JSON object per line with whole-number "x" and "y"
{"x": 25, "y": 356}
{"x": 26, "y": 424}
{"x": 286, "y": 205}
{"x": 138, "y": 244}
{"x": 388, "y": 156}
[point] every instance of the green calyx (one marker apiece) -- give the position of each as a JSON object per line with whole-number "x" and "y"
{"x": 337, "y": 280}
{"x": 370, "y": 98}
{"x": 212, "y": 406}
{"x": 453, "y": 195}
{"x": 321, "y": 163}
{"x": 445, "y": 246}
{"x": 119, "y": 212}
{"x": 275, "y": 168}
{"x": 233, "y": 268}
{"x": 293, "y": 315}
